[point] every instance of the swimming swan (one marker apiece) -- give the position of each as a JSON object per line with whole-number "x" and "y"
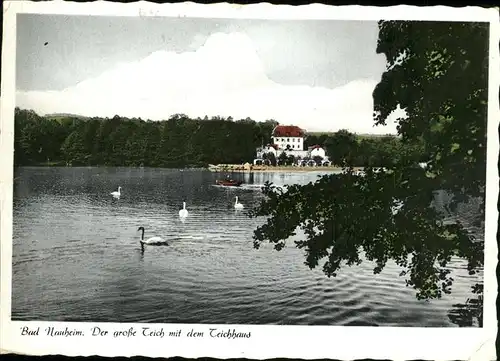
{"x": 153, "y": 241}
{"x": 183, "y": 213}
{"x": 117, "y": 193}
{"x": 238, "y": 205}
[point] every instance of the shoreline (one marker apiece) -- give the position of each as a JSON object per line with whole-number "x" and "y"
{"x": 234, "y": 168}
{"x": 278, "y": 170}
{"x": 212, "y": 169}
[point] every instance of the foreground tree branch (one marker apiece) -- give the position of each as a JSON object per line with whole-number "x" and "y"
{"x": 437, "y": 73}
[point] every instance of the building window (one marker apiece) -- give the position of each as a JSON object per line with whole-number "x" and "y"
{"x": 288, "y": 139}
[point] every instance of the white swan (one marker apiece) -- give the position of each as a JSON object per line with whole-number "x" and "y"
{"x": 238, "y": 205}
{"x": 183, "y": 213}
{"x": 117, "y": 193}
{"x": 153, "y": 241}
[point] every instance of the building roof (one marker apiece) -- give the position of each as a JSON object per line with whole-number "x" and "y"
{"x": 287, "y": 131}
{"x": 275, "y": 146}
{"x": 315, "y": 147}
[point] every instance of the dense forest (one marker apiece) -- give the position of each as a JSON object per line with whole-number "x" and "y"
{"x": 177, "y": 142}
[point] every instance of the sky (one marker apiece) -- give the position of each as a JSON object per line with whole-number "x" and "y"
{"x": 317, "y": 74}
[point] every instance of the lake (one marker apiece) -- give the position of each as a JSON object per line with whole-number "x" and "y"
{"x": 77, "y": 257}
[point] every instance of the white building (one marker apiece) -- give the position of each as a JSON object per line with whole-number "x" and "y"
{"x": 288, "y": 137}
{"x": 317, "y": 151}
{"x": 270, "y": 148}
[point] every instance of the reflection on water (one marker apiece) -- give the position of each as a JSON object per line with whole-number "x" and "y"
{"x": 77, "y": 257}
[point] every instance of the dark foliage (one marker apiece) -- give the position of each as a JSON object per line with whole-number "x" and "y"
{"x": 177, "y": 142}
{"x": 437, "y": 72}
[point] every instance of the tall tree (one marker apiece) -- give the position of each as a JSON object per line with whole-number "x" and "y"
{"x": 341, "y": 147}
{"x": 436, "y": 72}
{"x": 74, "y": 149}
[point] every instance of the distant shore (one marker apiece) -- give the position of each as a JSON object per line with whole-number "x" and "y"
{"x": 270, "y": 169}
{"x": 225, "y": 168}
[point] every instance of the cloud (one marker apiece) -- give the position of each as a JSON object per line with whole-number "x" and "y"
{"x": 223, "y": 77}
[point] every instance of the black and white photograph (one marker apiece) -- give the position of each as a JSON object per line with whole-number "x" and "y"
{"x": 246, "y": 170}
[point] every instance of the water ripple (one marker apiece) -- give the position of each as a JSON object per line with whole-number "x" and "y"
{"x": 76, "y": 257}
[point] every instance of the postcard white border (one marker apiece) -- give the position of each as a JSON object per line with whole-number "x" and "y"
{"x": 307, "y": 342}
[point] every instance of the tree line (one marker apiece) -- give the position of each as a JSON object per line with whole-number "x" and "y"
{"x": 180, "y": 141}
{"x": 177, "y": 142}
{"x": 346, "y": 148}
